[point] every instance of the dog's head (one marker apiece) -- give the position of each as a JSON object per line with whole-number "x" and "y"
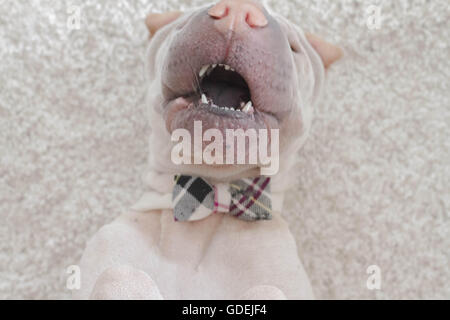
{"x": 231, "y": 65}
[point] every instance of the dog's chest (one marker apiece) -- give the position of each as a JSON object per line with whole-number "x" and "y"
{"x": 233, "y": 252}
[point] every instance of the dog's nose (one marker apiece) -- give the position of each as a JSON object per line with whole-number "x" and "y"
{"x": 237, "y": 14}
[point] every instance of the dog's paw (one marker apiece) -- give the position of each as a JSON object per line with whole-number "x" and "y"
{"x": 125, "y": 283}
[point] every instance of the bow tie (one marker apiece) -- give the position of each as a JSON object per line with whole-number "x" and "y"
{"x": 194, "y": 198}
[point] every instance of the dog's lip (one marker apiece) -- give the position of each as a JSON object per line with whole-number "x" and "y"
{"x": 173, "y": 107}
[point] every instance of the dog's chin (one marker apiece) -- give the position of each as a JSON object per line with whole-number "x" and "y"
{"x": 219, "y": 159}
{"x": 220, "y": 173}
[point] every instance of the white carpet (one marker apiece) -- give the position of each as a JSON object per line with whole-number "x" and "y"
{"x": 374, "y": 179}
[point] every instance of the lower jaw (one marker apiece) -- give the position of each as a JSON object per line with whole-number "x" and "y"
{"x": 197, "y": 120}
{"x": 183, "y": 114}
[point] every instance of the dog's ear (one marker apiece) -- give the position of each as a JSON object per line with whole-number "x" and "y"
{"x": 327, "y": 51}
{"x": 156, "y": 21}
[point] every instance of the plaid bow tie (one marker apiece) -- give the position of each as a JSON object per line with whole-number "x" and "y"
{"x": 249, "y": 199}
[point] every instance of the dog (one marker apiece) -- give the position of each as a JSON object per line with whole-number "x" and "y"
{"x": 270, "y": 74}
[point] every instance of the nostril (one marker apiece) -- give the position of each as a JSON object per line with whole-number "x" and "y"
{"x": 255, "y": 17}
{"x": 252, "y": 22}
{"x": 218, "y": 11}
{"x": 236, "y": 12}
{"x": 247, "y": 19}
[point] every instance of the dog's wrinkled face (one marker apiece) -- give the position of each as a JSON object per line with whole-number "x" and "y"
{"x": 234, "y": 65}
{"x": 246, "y": 74}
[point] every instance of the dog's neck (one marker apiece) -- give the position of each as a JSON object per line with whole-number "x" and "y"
{"x": 158, "y": 195}
{"x": 163, "y": 182}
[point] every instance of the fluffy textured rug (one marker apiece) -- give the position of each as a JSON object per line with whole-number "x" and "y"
{"x": 373, "y": 179}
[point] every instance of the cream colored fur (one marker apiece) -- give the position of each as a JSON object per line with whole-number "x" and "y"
{"x": 220, "y": 257}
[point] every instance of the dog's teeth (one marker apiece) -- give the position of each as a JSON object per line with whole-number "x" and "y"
{"x": 242, "y": 104}
{"x": 204, "y": 99}
{"x": 227, "y": 67}
{"x": 203, "y": 71}
{"x": 248, "y": 108}
{"x": 214, "y": 65}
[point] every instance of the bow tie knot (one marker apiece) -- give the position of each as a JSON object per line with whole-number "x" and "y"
{"x": 194, "y": 198}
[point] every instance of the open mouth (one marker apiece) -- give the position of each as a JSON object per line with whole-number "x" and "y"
{"x": 220, "y": 98}
{"x": 223, "y": 90}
